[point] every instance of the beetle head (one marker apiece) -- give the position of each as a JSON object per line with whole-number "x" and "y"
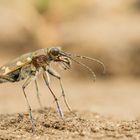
{"x": 55, "y": 54}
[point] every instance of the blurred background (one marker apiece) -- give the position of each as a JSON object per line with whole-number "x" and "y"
{"x": 107, "y": 30}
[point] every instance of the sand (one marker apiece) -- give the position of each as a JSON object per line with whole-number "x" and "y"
{"x": 75, "y": 125}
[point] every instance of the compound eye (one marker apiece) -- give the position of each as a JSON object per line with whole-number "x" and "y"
{"x": 55, "y": 51}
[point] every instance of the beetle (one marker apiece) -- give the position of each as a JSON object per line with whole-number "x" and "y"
{"x": 30, "y": 65}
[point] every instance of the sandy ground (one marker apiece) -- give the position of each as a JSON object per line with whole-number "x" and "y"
{"x": 76, "y": 125}
{"x": 102, "y": 110}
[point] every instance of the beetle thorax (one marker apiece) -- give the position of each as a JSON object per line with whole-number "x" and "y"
{"x": 40, "y": 61}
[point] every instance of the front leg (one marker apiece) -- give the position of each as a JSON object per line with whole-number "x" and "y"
{"x": 56, "y": 75}
{"x": 46, "y": 79}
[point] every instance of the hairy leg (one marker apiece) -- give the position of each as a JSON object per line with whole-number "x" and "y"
{"x": 46, "y": 79}
{"x": 56, "y": 75}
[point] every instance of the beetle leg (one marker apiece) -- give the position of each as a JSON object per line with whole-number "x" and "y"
{"x": 25, "y": 72}
{"x": 27, "y": 82}
{"x": 56, "y": 75}
{"x": 46, "y": 79}
{"x": 37, "y": 93}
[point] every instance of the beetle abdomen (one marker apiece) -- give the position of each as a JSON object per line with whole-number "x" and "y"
{"x": 14, "y": 75}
